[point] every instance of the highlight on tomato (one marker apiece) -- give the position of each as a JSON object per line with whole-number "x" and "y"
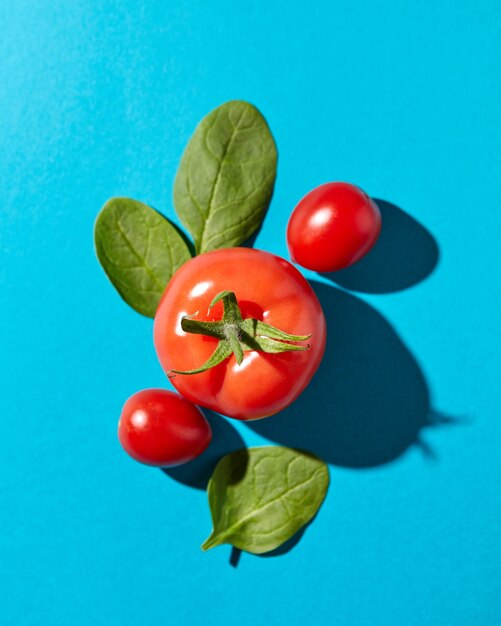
{"x": 161, "y": 428}
{"x": 332, "y": 227}
{"x": 239, "y": 331}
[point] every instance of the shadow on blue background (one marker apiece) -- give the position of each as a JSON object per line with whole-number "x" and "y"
{"x": 225, "y": 439}
{"x": 369, "y": 400}
{"x": 404, "y": 255}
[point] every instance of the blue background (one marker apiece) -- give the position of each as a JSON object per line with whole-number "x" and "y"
{"x": 99, "y": 99}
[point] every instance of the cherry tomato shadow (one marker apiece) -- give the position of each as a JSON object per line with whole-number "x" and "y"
{"x": 369, "y": 401}
{"x": 404, "y": 255}
{"x": 225, "y": 439}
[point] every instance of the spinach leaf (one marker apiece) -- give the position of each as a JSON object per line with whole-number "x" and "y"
{"x": 226, "y": 176}
{"x": 139, "y": 251}
{"x": 261, "y": 496}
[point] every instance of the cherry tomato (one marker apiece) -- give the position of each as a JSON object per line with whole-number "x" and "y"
{"x": 160, "y": 428}
{"x": 332, "y": 227}
{"x": 268, "y": 289}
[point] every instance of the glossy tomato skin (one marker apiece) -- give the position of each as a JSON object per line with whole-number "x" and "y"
{"x": 161, "y": 428}
{"x": 268, "y": 288}
{"x": 332, "y": 227}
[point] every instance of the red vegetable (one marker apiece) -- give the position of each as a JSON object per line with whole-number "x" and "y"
{"x": 233, "y": 329}
{"x": 332, "y": 227}
{"x": 159, "y": 427}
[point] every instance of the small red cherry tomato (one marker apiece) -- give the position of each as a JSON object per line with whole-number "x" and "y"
{"x": 332, "y": 227}
{"x": 161, "y": 428}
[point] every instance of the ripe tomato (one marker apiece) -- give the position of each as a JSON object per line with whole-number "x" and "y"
{"x": 268, "y": 289}
{"x": 159, "y": 427}
{"x": 332, "y": 227}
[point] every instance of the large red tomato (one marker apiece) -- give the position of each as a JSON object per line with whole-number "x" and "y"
{"x": 332, "y": 227}
{"x": 278, "y": 356}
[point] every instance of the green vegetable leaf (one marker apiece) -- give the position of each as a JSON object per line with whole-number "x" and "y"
{"x": 260, "y": 497}
{"x": 226, "y": 176}
{"x": 139, "y": 251}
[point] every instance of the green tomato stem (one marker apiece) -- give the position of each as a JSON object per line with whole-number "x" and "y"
{"x": 236, "y": 335}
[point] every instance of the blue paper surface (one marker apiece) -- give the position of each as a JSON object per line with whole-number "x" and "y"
{"x": 99, "y": 99}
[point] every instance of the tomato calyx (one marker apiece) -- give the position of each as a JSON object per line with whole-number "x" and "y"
{"x": 237, "y": 335}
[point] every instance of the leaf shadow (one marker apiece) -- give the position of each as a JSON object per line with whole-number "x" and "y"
{"x": 187, "y": 240}
{"x": 287, "y": 546}
{"x": 250, "y": 242}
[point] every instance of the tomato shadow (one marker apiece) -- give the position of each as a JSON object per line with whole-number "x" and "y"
{"x": 404, "y": 255}
{"x": 225, "y": 439}
{"x": 369, "y": 401}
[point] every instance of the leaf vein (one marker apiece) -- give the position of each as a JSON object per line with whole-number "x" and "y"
{"x": 142, "y": 262}
{"x": 260, "y": 509}
{"x": 218, "y": 176}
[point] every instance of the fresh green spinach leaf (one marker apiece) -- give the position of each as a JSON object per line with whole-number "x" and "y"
{"x": 261, "y": 496}
{"x": 226, "y": 176}
{"x": 139, "y": 251}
